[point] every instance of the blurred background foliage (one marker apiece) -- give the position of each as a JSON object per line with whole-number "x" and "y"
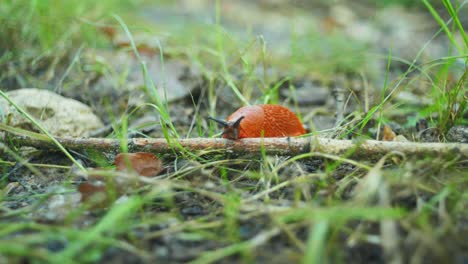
{"x": 44, "y": 24}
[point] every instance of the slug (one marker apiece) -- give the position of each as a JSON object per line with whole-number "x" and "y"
{"x": 261, "y": 121}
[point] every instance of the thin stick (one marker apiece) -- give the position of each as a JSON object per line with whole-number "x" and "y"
{"x": 275, "y": 146}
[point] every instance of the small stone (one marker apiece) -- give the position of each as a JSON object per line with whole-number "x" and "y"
{"x": 58, "y": 207}
{"x": 458, "y": 134}
{"x": 192, "y": 210}
{"x": 400, "y": 138}
{"x": 59, "y": 115}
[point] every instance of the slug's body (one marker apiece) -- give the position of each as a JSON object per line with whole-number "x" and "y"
{"x": 261, "y": 121}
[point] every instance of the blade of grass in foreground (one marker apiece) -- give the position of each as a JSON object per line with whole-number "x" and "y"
{"x": 109, "y": 223}
{"x": 322, "y": 216}
{"x": 316, "y": 243}
{"x": 340, "y": 213}
{"x": 218, "y": 254}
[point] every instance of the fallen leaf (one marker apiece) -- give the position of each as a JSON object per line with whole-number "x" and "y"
{"x": 388, "y": 134}
{"x": 145, "y": 164}
{"x": 103, "y": 187}
{"x": 109, "y": 31}
{"x": 144, "y": 43}
{"x": 97, "y": 193}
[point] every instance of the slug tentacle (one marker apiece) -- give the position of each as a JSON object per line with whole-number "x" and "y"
{"x": 219, "y": 121}
{"x": 231, "y": 129}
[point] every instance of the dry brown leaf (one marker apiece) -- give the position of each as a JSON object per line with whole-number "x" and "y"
{"x": 103, "y": 186}
{"x": 388, "y": 134}
{"x": 95, "y": 193}
{"x": 145, "y": 164}
{"x": 109, "y": 31}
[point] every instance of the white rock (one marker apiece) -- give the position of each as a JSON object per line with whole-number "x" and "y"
{"x": 59, "y": 115}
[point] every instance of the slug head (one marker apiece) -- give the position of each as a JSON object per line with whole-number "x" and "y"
{"x": 231, "y": 129}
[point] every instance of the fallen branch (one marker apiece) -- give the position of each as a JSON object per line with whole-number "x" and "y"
{"x": 279, "y": 146}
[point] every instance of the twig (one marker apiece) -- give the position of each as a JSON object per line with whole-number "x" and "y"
{"x": 278, "y": 146}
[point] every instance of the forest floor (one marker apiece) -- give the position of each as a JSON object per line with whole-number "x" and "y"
{"x": 350, "y": 71}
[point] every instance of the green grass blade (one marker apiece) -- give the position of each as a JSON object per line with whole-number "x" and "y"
{"x": 109, "y": 223}
{"x": 316, "y": 243}
{"x": 443, "y": 25}
{"x": 456, "y": 19}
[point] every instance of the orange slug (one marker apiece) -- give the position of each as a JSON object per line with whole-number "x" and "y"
{"x": 261, "y": 121}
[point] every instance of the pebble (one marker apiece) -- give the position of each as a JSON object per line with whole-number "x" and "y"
{"x": 59, "y": 115}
